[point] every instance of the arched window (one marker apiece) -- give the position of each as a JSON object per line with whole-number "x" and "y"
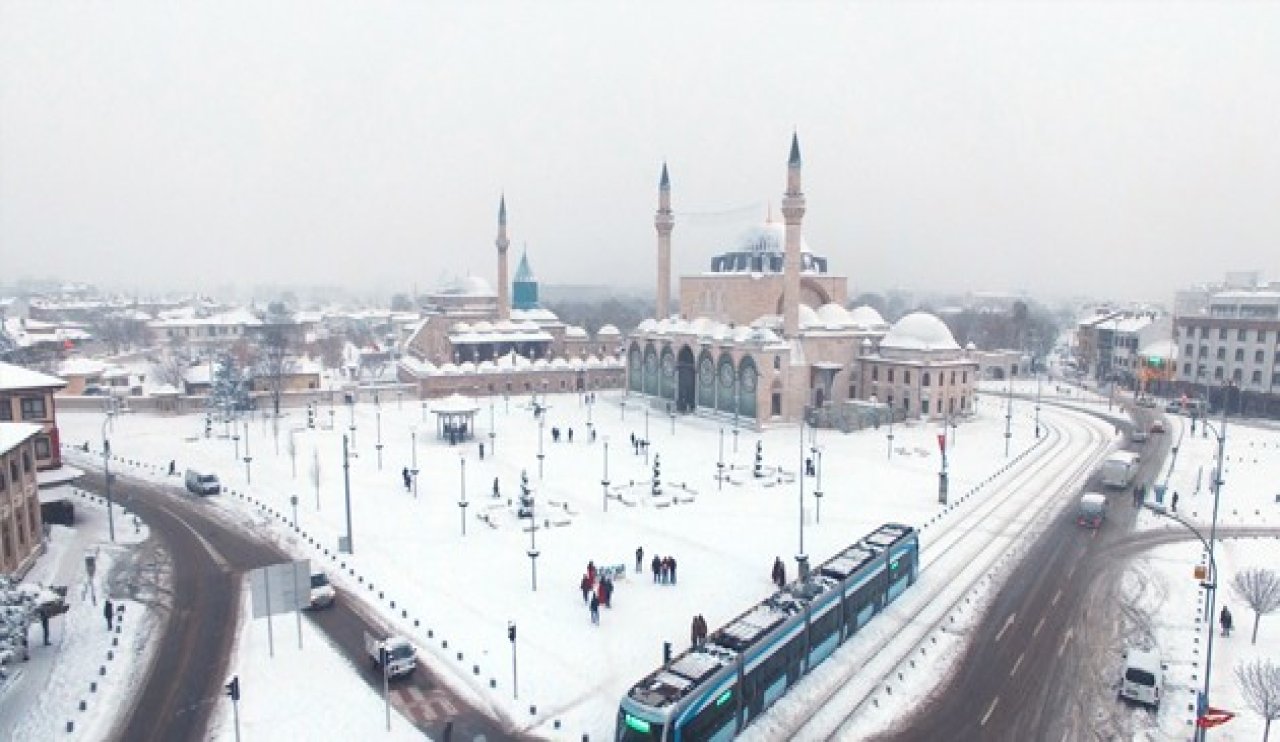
{"x": 924, "y": 379}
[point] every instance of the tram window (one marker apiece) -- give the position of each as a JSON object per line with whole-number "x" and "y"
{"x": 824, "y": 627}
{"x": 634, "y": 729}
{"x": 720, "y": 713}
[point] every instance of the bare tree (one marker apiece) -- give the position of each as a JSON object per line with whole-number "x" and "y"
{"x": 273, "y": 362}
{"x": 1260, "y": 588}
{"x": 315, "y": 475}
{"x": 291, "y": 447}
{"x": 172, "y": 366}
{"x": 1260, "y": 685}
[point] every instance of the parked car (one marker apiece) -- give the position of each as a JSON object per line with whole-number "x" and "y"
{"x": 1142, "y": 678}
{"x": 201, "y": 483}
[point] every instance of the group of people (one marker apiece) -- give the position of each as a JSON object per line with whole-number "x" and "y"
{"x": 698, "y": 631}
{"x": 555, "y": 435}
{"x": 455, "y": 433}
{"x": 664, "y": 570}
{"x": 638, "y": 445}
{"x": 597, "y": 590}
{"x": 407, "y": 476}
{"x": 779, "y": 573}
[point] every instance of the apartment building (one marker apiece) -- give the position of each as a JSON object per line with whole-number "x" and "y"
{"x": 27, "y": 396}
{"x": 1230, "y": 351}
{"x": 21, "y": 531}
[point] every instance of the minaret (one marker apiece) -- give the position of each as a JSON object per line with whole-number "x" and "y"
{"x": 664, "y": 221}
{"x": 792, "y": 213}
{"x": 504, "y": 285}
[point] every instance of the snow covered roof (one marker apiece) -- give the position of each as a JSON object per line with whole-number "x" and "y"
{"x": 454, "y": 404}
{"x": 188, "y": 318}
{"x": 14, "y": 434}
{"x": 17, "y": 377}
{"x": 1166, "y": 349}
{"x": 919, "y": 331}
{"x": 573, "y": 331}
{"x": 607, "y": 331}
{"x": 534, "y": 315}
{"x": 468, "y": 286}
{"x": 867, "y": 317}
{"x": 81, "y": 367}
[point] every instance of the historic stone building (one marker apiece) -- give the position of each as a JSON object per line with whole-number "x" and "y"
{"x": 764, "y": 335}
{"x": 473, "y": 341}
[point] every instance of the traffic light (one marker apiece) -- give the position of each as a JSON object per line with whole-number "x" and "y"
{"x": 208, "y": 424}
{"x": 511, "y": 631}
{"x": 233, "y": 688}
{"x": 311, "y": 416}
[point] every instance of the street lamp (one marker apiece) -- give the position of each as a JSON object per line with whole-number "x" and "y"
{"x": 1037, "y": 405}
{"x": 1221, "y": 435}
{"x": 646, "y": 434}
{"x": 492, "y": 433}
{"x": 720, "y": 463}
{"x": 346, "y": 485}
{"x": 890, "y": 408}
{"x": 1008, "y": 420}
{"x": 816, "y": 452}
{"x": 413, "y": 453}
{"x": 377, "y": 416}
{"x": 248, "y": 475}
{"x": 106, "y": 472}
{"x": 542, "y": 424}
{"x": 605, "y": 482}
{"x": 533, "y": 546}
{"x": 802, "y": 559}
{"x": 351, "y": 406}
{"x": 462, "y": 495}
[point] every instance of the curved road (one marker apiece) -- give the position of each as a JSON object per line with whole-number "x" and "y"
{"x": 197, "y": 627}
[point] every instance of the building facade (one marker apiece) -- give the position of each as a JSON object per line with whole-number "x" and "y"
{"x": 21, "y": 530}
{"x": 1230, "y": 352}
{"x": 28, "y": 396}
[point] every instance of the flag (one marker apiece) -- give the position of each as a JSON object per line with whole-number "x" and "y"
{"x": 1212, "y": 717}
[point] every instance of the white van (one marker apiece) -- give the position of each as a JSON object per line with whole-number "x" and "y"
{"x": 322, "y": 593}
{"x": 1143, "y": 677}
{"x": 200, "y": 483}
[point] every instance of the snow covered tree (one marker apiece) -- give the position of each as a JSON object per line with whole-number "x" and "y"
{"x": 657, "y": 476}
{"x": 1260, "y": 685}
{"x": 228, "y": 390}
{"x": 272, "y": 361}
{"x": 758, "y": 469}
{"x": 1260, "y": 588}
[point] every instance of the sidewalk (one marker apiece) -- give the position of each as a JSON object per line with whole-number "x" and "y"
{"x": 84, "y": 663}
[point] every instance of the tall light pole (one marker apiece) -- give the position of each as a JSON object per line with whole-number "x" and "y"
{"x": 720, "y": 463}
{"x": 492, "y": 433}
{"x": 351, "y": 406}
{"x": 1008, "y": 419}
{"x": 542, "y": 423}
{"x": 1037, "y": 405}
{"x": 1213, "y": 534}
{"x": 802, "y": 559}
{"x": 890, "y": 408}
{"x": 248, "y": 475}
{"x": 816, "y": 452}
{"x": 106, "y": 473}
{"x": 605, "y": 481}
{"x": 413, "y": 453}
{"x": 462, "y": 494}
{"x": 533, "y": 546}
{"x": 346, "y": 485}
{"x": 646, "y": 435}
{"x": 377, "y": 416}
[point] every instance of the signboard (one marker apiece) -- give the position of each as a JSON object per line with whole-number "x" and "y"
{"x": 1212, "y": 717}
{"x": 280, "y": 588}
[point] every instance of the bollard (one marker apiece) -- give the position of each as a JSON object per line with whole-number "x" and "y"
{"x": 71, "y": 726}
{"x": 475, "y": 669}
{"x": 533, "y": 710}
{"x": 493, "y": 683}
{"x": 102, "y": 669}
{"x": 83, "y": 705}
{"x": 444, "y": 643}
{"x": 93, "y": 687}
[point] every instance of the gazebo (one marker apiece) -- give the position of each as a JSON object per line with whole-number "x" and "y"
{"x": 455, "y": 418}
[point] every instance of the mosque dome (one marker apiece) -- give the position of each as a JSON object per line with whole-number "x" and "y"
{"x": 768, "y": 237}
{"x": 808, "y": 317}
{"x": 761, "y": 248}
{"x": 608, "y": 331}
{"x": 834, "y": 316}
{"x": 468, "y": 286}
{"x": 919, "y": 331}
{"x": 866, "y": 317}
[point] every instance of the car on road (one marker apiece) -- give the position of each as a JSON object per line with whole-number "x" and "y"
{"x": 1157, "y": 427}
{"x": 1093, "y": 510}
{"x": 1146, "y": 401}
{"x": 322, "y": 593}
{"x": 1138, "y": 434}
{"x": 202, "y": 483}
{"x": 1143, "y": 677}
{"x": 398, "y": 652}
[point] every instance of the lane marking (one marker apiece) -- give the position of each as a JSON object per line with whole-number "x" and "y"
{"x": 1016, "y": 665}
{"x": 1066, "y": 638}
{"x": 1007, "y": 623}
{"x": 1057, "y": 596}
{"x": 1039, "y": 625}
{"x": 990, "y": 709}
{"x": 213, "y": 553}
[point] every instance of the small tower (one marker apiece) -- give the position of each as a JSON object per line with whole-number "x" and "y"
{"x": 504, "y": 287}
{"x": 664, "y": 221}
{"x": 525, "y": 289}
{"x": 792, "y": 214}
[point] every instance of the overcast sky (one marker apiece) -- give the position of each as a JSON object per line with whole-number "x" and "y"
{"x": 1100, "y": 148}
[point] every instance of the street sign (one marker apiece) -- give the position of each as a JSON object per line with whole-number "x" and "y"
{"x": 1213, "y": 717}
{"x": 280, "y": 588}
{"x": 1201, "y": 572}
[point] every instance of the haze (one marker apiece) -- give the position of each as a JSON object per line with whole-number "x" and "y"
{"x": 1106, "y": 149}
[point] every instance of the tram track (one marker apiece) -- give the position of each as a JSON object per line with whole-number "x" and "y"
{"x": 1006, "y": 515}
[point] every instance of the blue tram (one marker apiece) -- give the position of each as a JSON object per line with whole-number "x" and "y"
{"x": 712, "y": 692}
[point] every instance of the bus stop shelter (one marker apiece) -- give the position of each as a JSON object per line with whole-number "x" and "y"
{"x": 455, "y": 418}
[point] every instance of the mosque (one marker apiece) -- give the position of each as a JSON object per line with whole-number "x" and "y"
{"x": 475, "y": 342}
{"x": 764, "y": 336}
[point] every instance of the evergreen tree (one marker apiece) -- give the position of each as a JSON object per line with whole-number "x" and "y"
{"x": 228, "y": 390}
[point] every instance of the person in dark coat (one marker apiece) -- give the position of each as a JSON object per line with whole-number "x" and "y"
{"x": 702, "y": 629}
{"x": 482, "y": 451}
{"x": 1175, "y": 502}
{"x": 595, "y": 609}
{"x": 1224, "y": 618}
{"x": 44, "y": 624}
{"x": 656, "y": 566}
{"x": 606, "y": 586}
{"x": 496, "y": 493}
{"x": 173, "y": 467}
{"x": 639, "y": 557}
{"x": 671, "y": 570}
{"x": 585, "y": 586}
{"x": 408, "y": 480}
{"x": 109, "y": 612}
{"x": 693, "y": 632}
{"x": 591, "y": 571}
{"x": 779, "y": 572}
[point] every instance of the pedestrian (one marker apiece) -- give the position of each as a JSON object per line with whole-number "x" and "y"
{"x": 671, "y": 569}
{"x": 779, "y": 572}
{"x": 1225, "y": 619}
{"x": 595, "y": 609}
{"x": 693, "y": 633}
{"x": 639, "y": 557}
{"x": 571, "y": 435}
{"x": 408, "y": 480}
{"x": 606, "y": 586}
{"x": 593, "y": 435}
{"x": 702, "y": 630}
{"x": 44, "y": 624}
{"x": 1174, "y": 501}
{"x": 482, "y": 451}
{"x": 496, "y": 493}
{"x": 585, "y": 586}
{"x": 656, "y": 566}
{"x": 591, "y": 571}
{"x": 633, "y": 440}
{"x": 108, "y": 612}
{"x": 173, "y": 467}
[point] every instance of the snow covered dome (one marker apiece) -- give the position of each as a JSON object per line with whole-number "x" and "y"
{"x": 760, "y": 249}
{"x": 919, "y": 331}
{"x": 767, "y": 237}
{"x": 834, "y": 316}
{"x": 808, "y": 317}
{"x": 608, "y": 331}
{"x": 573, "y": 331}
{"x": 866, "y": 317}
{"x": 469, "y": 286}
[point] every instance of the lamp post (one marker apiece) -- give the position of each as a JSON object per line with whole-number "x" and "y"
{"x": 413, "y": 453}
{"x": 890, "y": 408}
{"x": 462, "y": 493}
{"x": 351, "y": 406}
{"x": 515, "y": 683}
{"x": 1211, "y": 590}
{"x": 346, "y": 485}
{"x": 720, "y": 463}
{"x": 1037, "y": 405}
{"x": 802, "y": 559}
{"x": 816, "y": 452}
{"x": 646, "y": 435}
{"x": 622, "y": 408}
{"x": 604, "y": 483}
{"x": 1008, "y": 419}
{"x": 235, "y": 437}
{"x": 492, "y": 434}
{"x": 106, "y": 473}
{"x": 377, "y": 416}
{"x": 424, "y": 411}
{"x": 248, "y": 475}
{"x": 542, "y": 423}
{"x": 672, "y": 413}
{"x": 533, "y": 546}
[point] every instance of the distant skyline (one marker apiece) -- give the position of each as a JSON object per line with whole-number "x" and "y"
{"x": 1102, "y": 149}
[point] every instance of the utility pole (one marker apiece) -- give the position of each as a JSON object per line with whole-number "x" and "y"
{"x": 346, "y": 483}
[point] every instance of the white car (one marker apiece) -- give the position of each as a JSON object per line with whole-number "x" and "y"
{"x": 322, "y": 593}
{"x": 1143, "y": 677}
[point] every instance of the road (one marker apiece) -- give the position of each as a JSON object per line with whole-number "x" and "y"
{"x": 1040, "y": 665}
{"x": 199, "y": 613}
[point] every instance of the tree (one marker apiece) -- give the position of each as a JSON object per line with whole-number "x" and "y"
{"x": 1260, "y": 588}
{"x": 228, "y": 390}
{"x": 401, "y": 303}
{"x": 315, "y": 475}
{"x": 273, "y": 362}
{"x": 1260, "y": 685}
